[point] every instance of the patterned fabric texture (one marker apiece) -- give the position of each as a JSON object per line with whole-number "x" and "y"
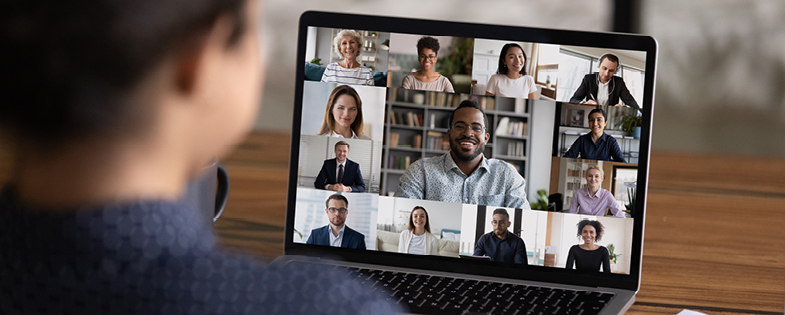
{"x": 152, "y": 257}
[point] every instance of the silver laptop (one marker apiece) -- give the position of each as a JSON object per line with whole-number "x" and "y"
{"x": 512, "y": 161}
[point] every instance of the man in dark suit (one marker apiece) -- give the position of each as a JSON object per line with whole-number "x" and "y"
{"x": 603, "y": 87}
{"x": 337, "y": 234}
{"x": 340, "y": 174}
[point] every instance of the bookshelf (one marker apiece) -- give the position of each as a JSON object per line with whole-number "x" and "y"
{"x": 417, "y": 125}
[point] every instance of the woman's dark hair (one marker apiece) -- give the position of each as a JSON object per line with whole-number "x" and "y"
{"x": 328, "y": 122}
{"x": 599, "y": 110}
{"x": 427, "y": 219}
{"x": 597, "y": 227}
{"x": 502, "y": 69}
{"x": 68, "y": 69}
{"x": 428, "y": 42}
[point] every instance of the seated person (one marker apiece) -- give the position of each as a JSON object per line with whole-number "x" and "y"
{"x": 603, "y": 88}
{"x": 340, "y": 174}
{"x": 418, "y": 238}
{"x": 113, "y": 108}
{"x": 336, "y": 233}
{"x": 426, "y": 78}
{"x": 589, "y": 256}
{"x": 348, "y": 71}
{"x": 510, "y": 79}
{"x": 500, "y": 244}
{"x": 593, "y": 199}
{"x": 343, "y": 115}
{"x": 596, "y": 145}
{"x": 464, "y": 175}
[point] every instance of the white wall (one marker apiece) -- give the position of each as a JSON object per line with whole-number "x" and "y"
{"x": 636, "y": 59}
{"x": 543, "y": 118}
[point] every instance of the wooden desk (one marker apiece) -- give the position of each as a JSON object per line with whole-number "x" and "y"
{"x": 714, "y": 238}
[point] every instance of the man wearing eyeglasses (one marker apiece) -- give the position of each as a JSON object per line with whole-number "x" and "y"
{"x": 501, "y": 245}
{"x": 464, "y": 175}
{"x": 337, "y": 234}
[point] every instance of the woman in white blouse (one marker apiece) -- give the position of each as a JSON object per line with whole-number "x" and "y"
{"x": 418, "y": 238}
{"x": 343, "y": 115}
{"x": 510, "y": 79}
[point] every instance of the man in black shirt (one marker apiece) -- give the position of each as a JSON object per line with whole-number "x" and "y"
{"x": 501, "y": 245}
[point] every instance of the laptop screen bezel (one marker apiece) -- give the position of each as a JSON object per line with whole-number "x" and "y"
{"x": 646, "y": 44}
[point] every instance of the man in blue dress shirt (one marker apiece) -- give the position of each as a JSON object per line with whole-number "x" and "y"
{"x": 500, "y": 244}
{"x": 337, "y": 234}
{"x": 464, "y": 175}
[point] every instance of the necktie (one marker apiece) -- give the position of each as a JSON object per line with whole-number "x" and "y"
{"x": 340, "y": 174}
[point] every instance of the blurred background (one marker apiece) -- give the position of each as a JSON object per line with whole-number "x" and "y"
{"x": 720, "y": 76}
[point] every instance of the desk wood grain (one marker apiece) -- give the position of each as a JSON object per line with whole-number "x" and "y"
{"x": 714, "y": 238}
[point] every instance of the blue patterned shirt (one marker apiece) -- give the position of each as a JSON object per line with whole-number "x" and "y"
{"x": 494, "y": 183}
{"x": 153, "y": 257}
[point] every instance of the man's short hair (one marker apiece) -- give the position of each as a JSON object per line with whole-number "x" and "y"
{"x": 612, "y": 58}
{"x": 501, "y": 211}
{"x": 469, "y": 104}
{"x": 336, "y": 197}
{"x": 342, "y": 143}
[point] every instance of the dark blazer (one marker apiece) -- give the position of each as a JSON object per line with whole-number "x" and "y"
{"x": 351, "y": 238}
{"x": 617, "y": 90}
{"x": 351, "y": 175}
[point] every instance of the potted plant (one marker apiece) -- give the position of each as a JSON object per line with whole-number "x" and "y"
{"x": 613, "y": 256}
{"x": 542, "y": 200}
{"x": 317, "y": 61}
{"x": 632, "y": 123}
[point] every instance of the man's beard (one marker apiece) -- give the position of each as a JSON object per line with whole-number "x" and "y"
{"x": 464, "y": 156}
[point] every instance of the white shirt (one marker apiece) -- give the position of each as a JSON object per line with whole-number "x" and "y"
{"x": 602, "y": 92}
{"x": 354, "y": 136}
{"x": 335, "y": 241}
{"x": 501, "y": 85}
{"x": 417, "y": 246}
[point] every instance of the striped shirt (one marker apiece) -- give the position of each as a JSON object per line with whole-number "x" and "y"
{"x": 337, "y": 74}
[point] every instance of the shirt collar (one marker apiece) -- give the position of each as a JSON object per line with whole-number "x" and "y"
{"x": 449, "y": 164}
{"x": 337, "y": 135}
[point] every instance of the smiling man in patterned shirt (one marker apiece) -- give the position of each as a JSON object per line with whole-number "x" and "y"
{"x": 489, "y": 182}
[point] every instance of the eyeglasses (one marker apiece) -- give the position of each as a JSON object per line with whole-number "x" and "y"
{"x": 430, "y": 57}
{"x": 476, "y": 128}
{"x": 339, "y": 210}
{"x": 500, "y": 222}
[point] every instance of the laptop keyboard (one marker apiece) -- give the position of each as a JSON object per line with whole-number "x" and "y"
{"x": 445, "y": 295}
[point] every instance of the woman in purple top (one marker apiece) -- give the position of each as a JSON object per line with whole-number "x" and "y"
{"x": 592, "y": 199}
{"x": 589, "y": 256}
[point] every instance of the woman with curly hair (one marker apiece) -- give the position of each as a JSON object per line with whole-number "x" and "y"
{"x": 589, "y": 255}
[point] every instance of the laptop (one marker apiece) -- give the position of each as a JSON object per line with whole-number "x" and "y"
{"x": 531, "y": 196}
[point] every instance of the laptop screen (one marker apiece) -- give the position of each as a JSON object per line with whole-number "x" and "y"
{"x": 513, "y": 150}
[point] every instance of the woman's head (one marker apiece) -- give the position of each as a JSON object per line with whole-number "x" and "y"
{"x": 60, "y": 89}
{"x": 597, "y": 120}
{"x": 594, "y": 176}
{"x": 347, "y": 44}
{"x": 419, "y": 219}
{"x": 344, "y": 109}
{"x": 590, "y": 231}
{"x": 512, "y": 58}
{"x": 427, "y": 51}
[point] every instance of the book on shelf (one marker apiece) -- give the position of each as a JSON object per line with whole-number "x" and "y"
{"x": 394, "y": 137}
{"x": 512, "y": 128}
{"x": 417, "y": 141}
{"x": 515, "y": 148}
{"x": 399, "y": 162}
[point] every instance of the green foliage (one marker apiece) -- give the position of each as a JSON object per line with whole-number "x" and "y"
{"x": 629, "y": 122}
{"x": 613, "y": 256}
{"x": 317, "y": 61}
{"x": 458, "y": 61}
{"x": 542, "y": 200}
